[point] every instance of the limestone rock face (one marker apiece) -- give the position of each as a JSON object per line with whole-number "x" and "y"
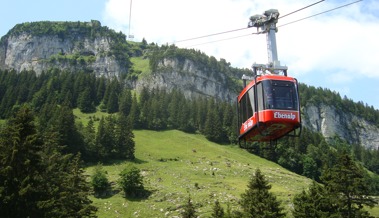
{"x": 330, "y": 122}
{"x": 186, "y": 77}
{"x": 75, "y": 52}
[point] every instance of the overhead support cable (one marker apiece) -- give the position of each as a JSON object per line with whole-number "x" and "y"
{"x": 320, "y": 13}
{"x": 259, "y": 32}
{"x": 230, "y": 38}
{"x": 301, "y": 9}
{"x": 214, "y": 34}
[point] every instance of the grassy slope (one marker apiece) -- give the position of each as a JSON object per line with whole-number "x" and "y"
{"x": 142, "y": 65}
{"x": 219, "y": 172}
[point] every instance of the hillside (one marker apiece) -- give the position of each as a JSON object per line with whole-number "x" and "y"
{"x": 175, "y": 164}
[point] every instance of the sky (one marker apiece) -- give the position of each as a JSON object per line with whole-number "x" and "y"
{"x": 337, "y": 50}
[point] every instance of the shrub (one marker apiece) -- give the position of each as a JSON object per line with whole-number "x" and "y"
{"x": 99, "y": 181}
{"x": 131, "y": 181}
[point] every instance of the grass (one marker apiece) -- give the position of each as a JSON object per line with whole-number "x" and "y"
{"x": 175, "y": 165}
{"x": 141, "y": 64}
{"x": 83, "y": 118}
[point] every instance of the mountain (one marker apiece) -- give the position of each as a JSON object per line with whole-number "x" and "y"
{"x": 74, "y": 46}
{"x": 90, "y": 47}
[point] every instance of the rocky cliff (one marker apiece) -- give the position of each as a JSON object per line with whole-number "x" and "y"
{"x": 75, "y": 46}
{"x": 330, "y": 122}
{"x": 188, "y": 78}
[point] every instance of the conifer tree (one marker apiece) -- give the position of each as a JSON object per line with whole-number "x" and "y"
{"x": 100, "y": 89}
{"x": 21, "y": 167}
{"x": 106, "y": 140}
{"x": 315, "y": 202}
{"x": 125, "y": 143}
{"x": 189, "y": 210}
{"x": 125, "y": 103}
{"x": 101, "y": 140}
{"x": 134, "y": 113}
{"x": 72, "y": 199}
{"x": 63, "y": 122}
{"x": 112, "y": 104}
{"x": 36, "y": 180}
{"x": 345, "y": 181}
{"x": 85, "y": 102}
{"x": 218, "y": 211}
{"x": 257, "y": 201}
{"x": 89, "y": 138}
{"x": 213, "y": 126}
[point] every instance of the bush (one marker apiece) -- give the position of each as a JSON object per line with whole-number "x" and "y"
{"x": 99, "y": 181}
{"x": 131, "y": 182}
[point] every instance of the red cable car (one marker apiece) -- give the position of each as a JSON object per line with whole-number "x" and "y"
{"x": 268, "y": 108}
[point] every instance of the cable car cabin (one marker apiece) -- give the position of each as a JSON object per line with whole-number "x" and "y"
{"x": 268, "y": 108}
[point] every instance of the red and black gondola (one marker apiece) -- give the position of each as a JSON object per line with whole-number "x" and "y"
{"x": 268, "y": 108}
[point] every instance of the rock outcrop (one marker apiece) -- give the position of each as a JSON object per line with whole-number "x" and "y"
{"x": 71, "y": 49}
{"x": 192, "y": 81}
{"x": 330, "y": 122}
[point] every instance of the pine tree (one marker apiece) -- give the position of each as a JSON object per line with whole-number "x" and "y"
{"x": 106, "y": 138}
{"x": 125, "y": 143}
{"x": 218, "y": 211}
{"x": 125, "y": 103}
{"x": 345, "y": 181}
{"x": 89, "y": 138}
{"x": 63, "y": 122}
{"x": 21, "y": 167}
{"x": 72, "y": 198}
{"x": 258, "y": 202}
{"x": 189, "y": 210}
{"x": 134, "y": 113}
{"x": 213, "y": 126}
{"x": 315, "y": 202}
{"x": 112, "y": 105}
{"x": 100, "y": 89}
{"x": 85, "y": 102}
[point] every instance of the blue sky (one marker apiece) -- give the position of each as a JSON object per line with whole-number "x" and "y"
{"x": 338, "y": 50}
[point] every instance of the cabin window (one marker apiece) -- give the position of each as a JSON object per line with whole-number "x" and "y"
{"x": 280, "y": 95}
{"x": 246, "y": 106}
{"x": 260, "y": 99}
{"x": 252, "y": 99}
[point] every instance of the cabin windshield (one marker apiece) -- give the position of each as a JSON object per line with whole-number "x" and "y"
{"x": 280, "y": 95}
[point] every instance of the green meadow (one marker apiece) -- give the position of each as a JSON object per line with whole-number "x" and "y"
{"x": 176, "y": 165}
